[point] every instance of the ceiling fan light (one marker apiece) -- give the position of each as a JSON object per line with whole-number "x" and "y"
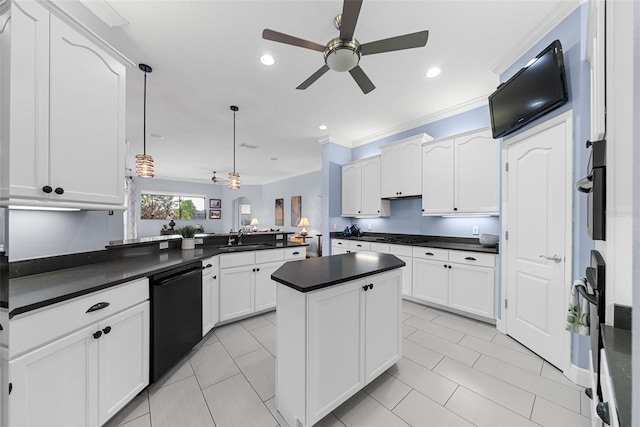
{"x": 234, "y": 180}
{"x": 342, "y": 55}
{"x": 144, "y": 166}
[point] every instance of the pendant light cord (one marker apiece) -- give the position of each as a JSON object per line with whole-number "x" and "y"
{"x": 144, "y": 118}
{"x": 234, "y": 141}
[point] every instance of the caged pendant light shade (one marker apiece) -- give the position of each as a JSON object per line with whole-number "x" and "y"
{"x": 144, "y": 162}
{"x": 234, "y": 177}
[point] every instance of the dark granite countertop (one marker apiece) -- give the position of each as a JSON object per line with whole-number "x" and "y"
{"x": 317, "y": 273}
{"x": 39, "y": 290}
{"x": 440, "y": 242}
{"x": 617, "y": 344}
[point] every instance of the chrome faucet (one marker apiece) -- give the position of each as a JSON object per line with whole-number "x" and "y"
{"x": 231, "y": 240}
{"x": 240, "y": 234}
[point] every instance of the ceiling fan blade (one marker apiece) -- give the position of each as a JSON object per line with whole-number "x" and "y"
{"x": 361, "y": 78}
{"x": 287, "y": 39}
{"x": 350, "y": 12}
{"x": 407, "y": 41}
{"x": 315, "y": 76}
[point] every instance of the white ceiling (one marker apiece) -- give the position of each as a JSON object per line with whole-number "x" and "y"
{"x": 205, "y": 57}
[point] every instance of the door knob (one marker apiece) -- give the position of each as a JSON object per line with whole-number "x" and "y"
{"x": 555, "y": 258}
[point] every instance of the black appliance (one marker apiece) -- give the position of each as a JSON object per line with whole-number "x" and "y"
{"x": 594, "y": 184}
{"x": 538, "y": 88}
{"x": 595, "y": 279}
{"x": 176, "y": 316}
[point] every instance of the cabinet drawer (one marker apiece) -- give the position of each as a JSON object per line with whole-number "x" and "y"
{"x": 295, "y": 253}
{"x": 33, "y": 329}
{"x": 430, "y": 253}
{"x": 359, "y": 246}
{"x": 340, "y": 243}
{"x": 473, "y": 258}
{"x": 237, "y": 260}
{"x": 210, "y": 266}
{"x": 382, "y": 248}
{"x": 401, "y": 250}
{"x": 269, "y": 255}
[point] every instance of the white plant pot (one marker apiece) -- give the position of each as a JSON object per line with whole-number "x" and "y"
{"x": 188, "y": 243}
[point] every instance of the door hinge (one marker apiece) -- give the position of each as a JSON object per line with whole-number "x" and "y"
{"x": 506, "y": 235}
{"x": 506, "y": 167}
{"x": 505, "y": 303}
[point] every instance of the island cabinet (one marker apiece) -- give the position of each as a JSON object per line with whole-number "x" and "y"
{"x": 361, "y": 189}
{"x": 402, "y": 167}
{"x": 460, "y": 175}
{"x": 67, "y": 108}
{"x": 80, "y": 361}
{"x": 334, "y": 341}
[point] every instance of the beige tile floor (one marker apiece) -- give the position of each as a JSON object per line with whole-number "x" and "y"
{"x": 454, "y": 372}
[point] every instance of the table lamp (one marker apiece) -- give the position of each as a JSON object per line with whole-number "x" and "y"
{"x": 304, "y": 222}
{"x": 255, "y": 223}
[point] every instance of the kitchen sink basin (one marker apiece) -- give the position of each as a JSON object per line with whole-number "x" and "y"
{"x": 239, "y": 248}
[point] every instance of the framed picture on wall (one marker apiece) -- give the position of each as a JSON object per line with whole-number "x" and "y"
{"x": 215, "y": 214}
{"x": 215, "y": 203}
{"x": 296, "y": 210}
{"x": 279, "y": 212}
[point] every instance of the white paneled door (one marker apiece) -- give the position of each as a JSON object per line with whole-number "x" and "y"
{"x": 538, "y": 185}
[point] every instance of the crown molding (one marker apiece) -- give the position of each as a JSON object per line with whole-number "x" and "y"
{"x": 421, "y": 121}
{"x": 553, "y": 19}
{"x": 105, "y": 12}
{"x": 333, "y": 140}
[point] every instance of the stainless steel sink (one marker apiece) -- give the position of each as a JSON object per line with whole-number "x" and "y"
{"x": 240, "y": 248}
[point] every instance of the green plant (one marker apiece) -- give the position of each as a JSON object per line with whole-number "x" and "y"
{"x": 187, "y": 231}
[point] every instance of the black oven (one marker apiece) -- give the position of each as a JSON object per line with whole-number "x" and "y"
{"x": 596, "y": 295}
{"x": 594, "y": 185}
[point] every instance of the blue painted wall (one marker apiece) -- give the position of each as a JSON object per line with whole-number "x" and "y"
{"x": 333, "y": 156}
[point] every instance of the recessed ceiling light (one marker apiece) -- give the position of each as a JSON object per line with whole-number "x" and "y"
{"x": 273, "y": 158}
{"x": 156, "y": 135}
{"x": 322, "y": 127}
{"x": 267, "y": 60}
{"x": 433, "y": 72}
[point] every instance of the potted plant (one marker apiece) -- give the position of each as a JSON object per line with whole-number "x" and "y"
{"x": 188, "y": 233}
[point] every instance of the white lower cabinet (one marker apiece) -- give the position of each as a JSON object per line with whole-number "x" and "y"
{"x": 339, "y": 338}
{"x": 431, "y": 281}
{"x": 86, "y": 375}
{"x": 236, "y": 292}
{"x": 471, "y": 289}
{"x": 265, "y": 288}
{"x": 210, "y": 294}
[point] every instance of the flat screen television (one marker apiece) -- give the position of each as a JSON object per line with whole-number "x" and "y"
{"x": 535, "y": 90}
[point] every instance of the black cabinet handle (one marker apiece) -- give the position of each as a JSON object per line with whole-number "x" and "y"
{"x": 59, "y": 190}
{"x": 208, "y": 266}
{"x": 339, "y": 243}
{"x": 602, "y": 409}
{"x": 257, "y": 269}
{"x": 449, "y": 266}
{"x": 370, "y": 285}
{"x": 254, "y": 270}
{"x": 47, "y": 189}
{"x": 215, "y": 277}
{"x": 445, "y": 266}
{"x": 359, "y": 212}
{"x": 296, "y": 253}
{"x": 98, "y": 306}
{"x": 359, "y": 246}
{"x": 97, "y": 335}
{"x": 422, "y": 210}
{"x": 470, "y": 258}
{"x": 400, "y": 193}
{"x": 429, "y": 253}
{"x": 107, "y": 330}
{"x": 378, "y": 211}
{"x": 455, "y": 209}
{"x": 365, "y": 288}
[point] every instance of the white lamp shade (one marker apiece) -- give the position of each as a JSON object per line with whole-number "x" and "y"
{"x": 254, "y": 221}
{"x": 304, "y": 222}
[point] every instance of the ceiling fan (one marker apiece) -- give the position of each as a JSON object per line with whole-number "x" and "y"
{"x": 343, "y": 53}
{"x": 218, "y": 180}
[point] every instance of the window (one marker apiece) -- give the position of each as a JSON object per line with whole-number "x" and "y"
{"x": 167, "y": 206}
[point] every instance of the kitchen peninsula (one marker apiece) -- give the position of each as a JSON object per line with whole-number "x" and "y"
{"x": 338, "y": 330}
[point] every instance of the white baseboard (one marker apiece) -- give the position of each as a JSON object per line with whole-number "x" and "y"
{"x": 578, "y": 375}
{"x": 501, "y": 326}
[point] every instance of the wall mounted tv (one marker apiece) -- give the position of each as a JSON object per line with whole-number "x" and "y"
{"x": 535, "y": 90}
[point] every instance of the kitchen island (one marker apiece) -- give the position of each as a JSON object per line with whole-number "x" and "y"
{"x": 338, "y": 329}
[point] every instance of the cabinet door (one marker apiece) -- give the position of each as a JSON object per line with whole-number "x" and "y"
{"x": 335, "y": 340}
{"x": 477, "y": 173}
{"x": 56, "y": 384}
{"x": 338, "y": 250}
{"x": 265, "y": 287}
{"x": 430, "y": 280}
{"x": 351, "y": 189}
{"x": 210, "y": 294}
{"x": 407, "y": 274}
{"x": 86, "y": 119}
{"x": 471, "y": 289}
{"x": 382, "y": 324}
{"x": 123, "y": 359}
{"x": 410, "y": 168}
{"x": 371, "y": 186}
{"x": 236, "y": 292}
{"x": 437, "y": 178}
{"x": 29, "y": 103}
{"x": 389, "y": 161}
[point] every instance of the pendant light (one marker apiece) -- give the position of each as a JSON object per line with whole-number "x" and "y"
{"x": 234, "y": 177}
{"x": 144, "y": 163}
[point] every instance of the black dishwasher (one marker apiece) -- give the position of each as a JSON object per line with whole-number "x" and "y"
{"x": 176, "y": 316}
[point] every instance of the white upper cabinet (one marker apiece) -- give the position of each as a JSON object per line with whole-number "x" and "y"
{"x": 401, "y": 167}
{"x": 361, "y": 189}
{"x": 67, "y": 114}
{"x": 461, "y": 175}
